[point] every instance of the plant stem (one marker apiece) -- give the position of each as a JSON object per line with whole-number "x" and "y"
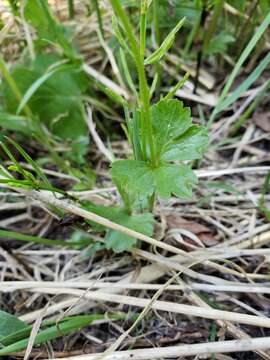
{"x": 99, "y": 17}
{"x": 138, "y": 54}
{"x": 157, "y": 42}
{"x": 34, "y": 239}
{"x": 195, "y": 29}
{"x": 208, "y": 34}
{"x": 213, "y": 24}
{"x": 71, "y": 9}
{"x": 143, "y": 28}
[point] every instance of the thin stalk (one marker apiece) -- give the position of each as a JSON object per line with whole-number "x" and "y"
{"x": 143, "y": 28}
{"x": 213, "y": 24}
{"x": 34, "y": 239}
{"x": 195, "y": 28}
{"x": 252, "y": 107}
{"x": 248, "y": 26}
{"x": 208, "y": 34}
{"x": 99, "y": 17}
{"x": 144, "y": 95}
{"x": 71, "y": 9}
{"x": 156, "y": 30}
{"x": 151, "y": 202}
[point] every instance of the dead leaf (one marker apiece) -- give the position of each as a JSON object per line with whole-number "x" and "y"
{"x": 175, "y": 221}
{"x": 262, "y": 120}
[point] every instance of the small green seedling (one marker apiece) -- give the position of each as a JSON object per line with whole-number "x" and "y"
{"x": 162, "y": 135}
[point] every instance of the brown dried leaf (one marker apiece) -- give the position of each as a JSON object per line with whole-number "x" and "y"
{"x": 262, "y": 120}
{"x": 175, "y": 221}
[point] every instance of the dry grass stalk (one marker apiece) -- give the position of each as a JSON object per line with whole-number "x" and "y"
{"x": 183, "y": 350}
{"x": 188, "y": 310}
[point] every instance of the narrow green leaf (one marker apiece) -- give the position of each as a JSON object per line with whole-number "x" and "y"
{"x": 250, "y": 46}
{"x": 65, "y": 327}
{"x": 245, "y": 84}
{"x": 165, "y": 46}
{"x": 34, "y": 239}
{"x": 28, "y": 158}
{"x": 178, "y": 86}
{"x": 16, "y": 123}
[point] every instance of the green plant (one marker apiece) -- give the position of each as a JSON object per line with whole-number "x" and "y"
{"x": 160, "y": 134}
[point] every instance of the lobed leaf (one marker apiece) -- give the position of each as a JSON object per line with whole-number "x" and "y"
{"x": 140, "y": 180}
{"x": 175, "y": 136}
{"x": 189, "y": 146}
{"x": 170, "y": 120}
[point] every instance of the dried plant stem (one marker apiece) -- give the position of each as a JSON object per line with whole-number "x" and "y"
{"x": 48, "y": 198}
{"x": 188, "y": 310}
{"x": 9, "y": 286}
{"x": 183, "y": 350}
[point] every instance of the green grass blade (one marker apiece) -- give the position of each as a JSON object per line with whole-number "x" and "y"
{"x": 65, "y": 327}
{"x": 34, "y": 239}
{"x": 16, "y": 336}
{"x": 246, "y": 84}
{"x": 251, "y": 45}
{"x": 53, "y": 332}
{"x": 31, "y": 162}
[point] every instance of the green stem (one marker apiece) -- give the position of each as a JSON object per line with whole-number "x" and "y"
{"x": 158, "y": 68}
{"x": 143, "y": 28}
{"x": 34, "y": 239}
{"x": 71, "y": 9}
{"x": 252, "y": 107}
{"x": 99, "y": 16}
{"x": 213, "y": 24}
{"x": 194, "y": 30}
{"x": 147, "y": 131}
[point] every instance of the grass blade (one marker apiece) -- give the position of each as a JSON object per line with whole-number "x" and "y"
{"x": 34, "y": 239}
{"x": 251, "y": 45}
{"x": 246, "y": 84}
{"x": 54, "y": 332}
